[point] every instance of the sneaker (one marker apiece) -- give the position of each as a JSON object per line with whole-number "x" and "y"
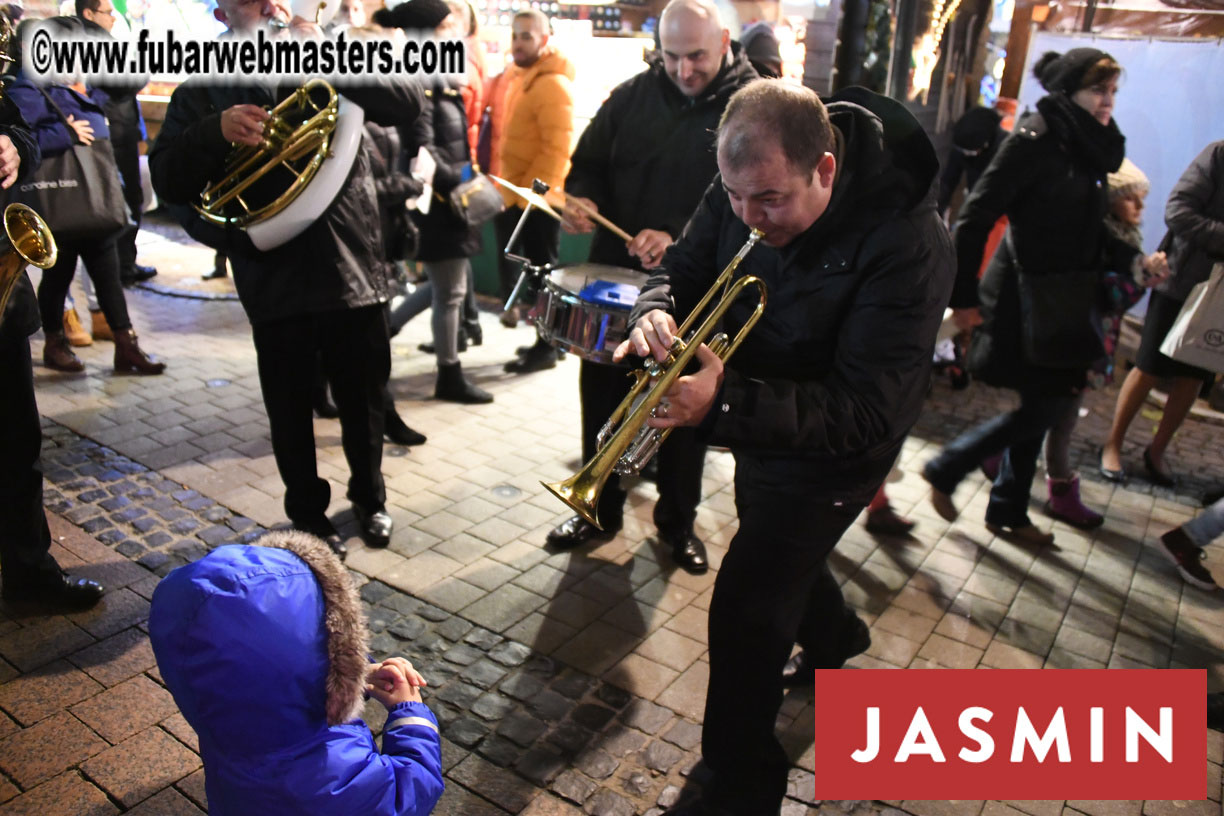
{"x": 1188, "y": 557}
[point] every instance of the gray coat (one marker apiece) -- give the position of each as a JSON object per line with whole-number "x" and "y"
{"x": 1195, "y": 217}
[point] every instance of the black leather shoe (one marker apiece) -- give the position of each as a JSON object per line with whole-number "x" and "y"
{"x": 687, "y": 551}
{"x": 375, "y": 527}
{"x": 538, "y": 358}
{"x": 577, "y": 531}
{"x": 855, "y": 639}
{"x": 137, "y": 274}
{"x": 336, "y": 543}
{"x": 54, "y": 592}
{"x": 398, "y": 432}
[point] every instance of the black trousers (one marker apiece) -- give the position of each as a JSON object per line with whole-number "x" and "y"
{"x": 127, "y": 157}
{"x": 681, "y": 459}
{"x": 25, "y": 540}
{"x": 355, "y": 350}
{"x": 773, "y": 590}
{"x": 102, "y": 265}
{"x": 540, "y": 242}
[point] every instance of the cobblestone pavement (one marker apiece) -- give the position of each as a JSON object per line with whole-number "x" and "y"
{"x": 565, "y": 682}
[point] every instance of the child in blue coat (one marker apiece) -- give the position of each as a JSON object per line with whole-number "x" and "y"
{"x": 265, "y": 651}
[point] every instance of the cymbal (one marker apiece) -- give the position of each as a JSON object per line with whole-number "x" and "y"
{"x": 530, "y": 196}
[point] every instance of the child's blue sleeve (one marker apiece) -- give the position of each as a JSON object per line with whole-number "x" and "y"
{"x": 412, "y": 745}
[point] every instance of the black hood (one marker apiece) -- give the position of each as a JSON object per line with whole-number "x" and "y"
{"x": 886, "y": 163}
{"x": 735, "y": 73}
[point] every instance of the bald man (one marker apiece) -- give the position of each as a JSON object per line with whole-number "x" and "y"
{"x": 644, "y": 162}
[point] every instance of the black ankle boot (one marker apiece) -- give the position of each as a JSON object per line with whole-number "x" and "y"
{"x": 454, "y": 387}
{"x": 472, "y": 332}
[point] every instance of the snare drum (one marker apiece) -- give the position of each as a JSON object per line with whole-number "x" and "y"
{"x": 584, "y": 309}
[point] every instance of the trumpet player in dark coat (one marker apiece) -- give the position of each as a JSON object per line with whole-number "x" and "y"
{"x": 817, "y": 402}
{"x": 322, "y": 291}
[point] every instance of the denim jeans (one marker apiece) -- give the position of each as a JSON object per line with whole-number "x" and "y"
{"x": 1018, "y": 434}
{"x": 1207, "y": 527}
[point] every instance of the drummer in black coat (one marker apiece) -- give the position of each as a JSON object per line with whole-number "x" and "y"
{"x": 643, "y": 163}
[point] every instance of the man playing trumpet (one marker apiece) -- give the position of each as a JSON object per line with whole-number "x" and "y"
{"x": 816, "y": 403}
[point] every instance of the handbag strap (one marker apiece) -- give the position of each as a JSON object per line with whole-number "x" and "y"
{"x": 76, "y": 139}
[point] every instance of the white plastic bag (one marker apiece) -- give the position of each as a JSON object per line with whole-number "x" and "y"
{"x": 1197, "y": 336}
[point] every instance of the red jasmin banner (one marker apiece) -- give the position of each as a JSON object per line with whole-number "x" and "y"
{"x": 1011, "y": 734}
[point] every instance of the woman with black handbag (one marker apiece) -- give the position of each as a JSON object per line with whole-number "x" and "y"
{"x": 64, "y": 118}
{"x": 1041, "y": 297}
{"x": 447, "y": 238}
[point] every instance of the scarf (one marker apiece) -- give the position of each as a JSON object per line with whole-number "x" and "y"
{"x": 1101, "y": 147}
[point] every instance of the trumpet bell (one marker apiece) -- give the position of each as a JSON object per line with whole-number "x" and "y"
{"x": 27, "y": 240}
{"x": 581, "y": 492}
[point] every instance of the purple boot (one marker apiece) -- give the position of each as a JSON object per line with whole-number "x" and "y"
{"x": 1065, "y": 504}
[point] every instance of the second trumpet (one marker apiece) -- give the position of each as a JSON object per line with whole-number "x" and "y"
{"x": 626, "y": 443}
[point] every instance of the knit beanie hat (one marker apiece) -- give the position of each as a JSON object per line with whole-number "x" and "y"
{"x": 761, "y": 49}
{"x": 1064, "y": 73}
{"x": 414, "y": 15}
{"x": 1127, "y": 180}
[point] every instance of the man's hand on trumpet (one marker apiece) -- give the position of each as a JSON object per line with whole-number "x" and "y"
{"x": 691, "y": 396}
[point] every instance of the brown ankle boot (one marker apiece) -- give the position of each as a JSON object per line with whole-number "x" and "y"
{"x": 57, "y": 354}
{"x": 101, "y": 329}
{"x": 130, "y": 359}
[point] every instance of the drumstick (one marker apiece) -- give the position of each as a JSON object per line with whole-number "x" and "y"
{"x": 599, "y": 219}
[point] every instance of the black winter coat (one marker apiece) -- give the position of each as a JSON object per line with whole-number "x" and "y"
{"x": 825, "y": 388}
{"x": 337, "y": 262}
{"x": 20, "y": 316}
{"x": 394, "y": 185}
{"x": 442, "y": 129}
{"x": 648, "y": 155}
{"x": 1195, "y": 217}
{"x": 1055, "y": 206}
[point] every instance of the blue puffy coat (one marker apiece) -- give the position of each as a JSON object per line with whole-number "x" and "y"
{"x": 265, "y": 651}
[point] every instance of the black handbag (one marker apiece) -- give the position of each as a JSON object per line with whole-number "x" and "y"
{"x": 1060, "y": 322}
{"x": 476, "y": 201}
{"x": 78, "y": 192}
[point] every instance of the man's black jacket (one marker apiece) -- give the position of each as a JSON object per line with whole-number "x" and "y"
{"x": 336, "y": 262}
{"x": 648, "y": 155}
{"x": 832, "y": 378}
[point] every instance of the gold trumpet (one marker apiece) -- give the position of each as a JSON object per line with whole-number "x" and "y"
{"x": 626, "y": 443}
{"x": 27, "y": 240}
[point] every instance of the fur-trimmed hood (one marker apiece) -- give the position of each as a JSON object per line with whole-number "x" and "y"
{"x": 262, "y": 646}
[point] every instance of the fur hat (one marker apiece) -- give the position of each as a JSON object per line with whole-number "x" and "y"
{"x": 1127, "y": 180}
{"x": 1064, "y": 73}
{"x": 414, "y": 15}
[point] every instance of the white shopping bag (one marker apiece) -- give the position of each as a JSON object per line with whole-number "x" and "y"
{"x": 1197, "y": 336}
{"x": 422, "y": 166}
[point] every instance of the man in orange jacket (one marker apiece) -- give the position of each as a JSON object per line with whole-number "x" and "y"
{"x": 534, "y": 142}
